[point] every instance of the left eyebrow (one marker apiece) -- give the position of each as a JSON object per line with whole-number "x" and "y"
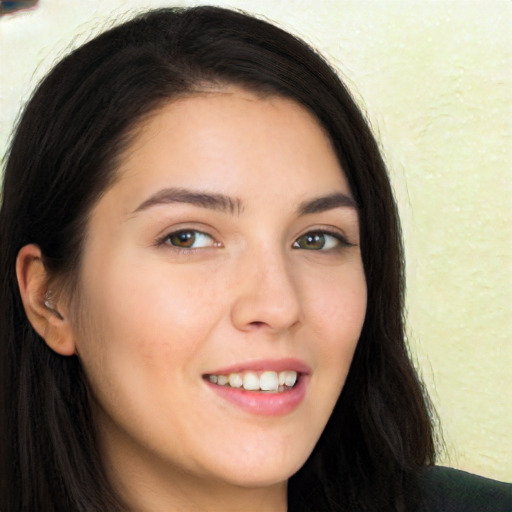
{"x": 219, "y": 202}
{"x": 329, "y": 202}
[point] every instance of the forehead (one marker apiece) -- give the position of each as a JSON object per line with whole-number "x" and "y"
{"x": 234, "y": 141}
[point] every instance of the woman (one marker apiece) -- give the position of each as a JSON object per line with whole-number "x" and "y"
{"x": 204, "y": 296}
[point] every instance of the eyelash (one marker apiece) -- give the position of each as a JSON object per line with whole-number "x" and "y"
{"x": 340, "y": 241}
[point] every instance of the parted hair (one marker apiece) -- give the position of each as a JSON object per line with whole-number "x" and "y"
{"x": 64, "y": 155}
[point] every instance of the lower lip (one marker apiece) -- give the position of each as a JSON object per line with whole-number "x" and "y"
{"x": 264, "y": 404}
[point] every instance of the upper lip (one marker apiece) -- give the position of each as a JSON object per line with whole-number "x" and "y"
{"x": 276, "y": 365}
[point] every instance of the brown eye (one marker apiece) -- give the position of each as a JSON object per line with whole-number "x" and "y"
{"x": 319, "y": 241}
{"x": 311, "y": 241}
{"x": 189, "y": 239}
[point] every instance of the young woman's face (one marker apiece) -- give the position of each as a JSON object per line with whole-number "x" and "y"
{"x": 227, "y": 250}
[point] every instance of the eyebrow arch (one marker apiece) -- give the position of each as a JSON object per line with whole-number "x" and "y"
{"x": 329, "y": 202}
{"x": 219, "y": 202}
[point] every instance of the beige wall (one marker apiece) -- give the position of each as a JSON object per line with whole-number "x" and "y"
{"x": 436, "y": 78}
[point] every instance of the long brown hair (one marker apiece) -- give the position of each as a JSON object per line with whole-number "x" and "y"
{"x": 63, "y": 156}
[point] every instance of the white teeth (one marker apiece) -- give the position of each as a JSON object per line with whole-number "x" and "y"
{"x": 269, "y": 381}
{"x": 222, "y": 380}
{"x": 235, "y": 380}
{"x": 290, "y": 379}
{"x": 251, "y": 381}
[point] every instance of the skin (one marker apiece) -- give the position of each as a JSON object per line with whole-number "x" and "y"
{"x": 155, "y": 318}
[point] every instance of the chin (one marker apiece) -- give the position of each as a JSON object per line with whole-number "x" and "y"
{"x": 253, "y": 478}
{"x": 265, "y": 470}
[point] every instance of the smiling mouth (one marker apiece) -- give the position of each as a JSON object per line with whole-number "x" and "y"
{"x": 263, "y": 382}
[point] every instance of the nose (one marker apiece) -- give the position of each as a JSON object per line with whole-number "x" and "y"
{"x": 266, "y": 295}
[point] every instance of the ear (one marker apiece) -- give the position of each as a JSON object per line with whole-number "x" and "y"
{"x": 45, "y": 314}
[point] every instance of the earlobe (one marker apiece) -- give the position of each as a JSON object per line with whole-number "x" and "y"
{"x": 41, "y": 307}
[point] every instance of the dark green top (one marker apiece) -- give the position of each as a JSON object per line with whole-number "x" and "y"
{"x": 450, "y": 490}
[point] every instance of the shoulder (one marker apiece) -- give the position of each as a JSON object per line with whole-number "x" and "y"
{"x": 451, "y": 490}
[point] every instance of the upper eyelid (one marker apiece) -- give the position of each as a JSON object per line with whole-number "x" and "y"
{"x": 326, "y": 229}
{"x": 204, "y": 229}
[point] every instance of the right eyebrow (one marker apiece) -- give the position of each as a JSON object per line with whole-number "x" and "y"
{"x": 212, "y": 201}
{"x": 329, "y": 202}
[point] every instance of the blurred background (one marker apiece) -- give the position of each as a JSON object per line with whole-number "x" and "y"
{"x": 435, "y": 79}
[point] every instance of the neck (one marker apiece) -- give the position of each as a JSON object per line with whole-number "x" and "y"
{"x": 191, "y": 495}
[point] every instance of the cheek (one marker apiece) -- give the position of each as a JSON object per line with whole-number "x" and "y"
{"x": 337, "y": 311}
{"x": 337, "y": 305}
{"x": 155, "y": 319}
{"x": 154, "y": 298}
{"x": 141, "y": 339}
{"x": 336, "y": 308}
